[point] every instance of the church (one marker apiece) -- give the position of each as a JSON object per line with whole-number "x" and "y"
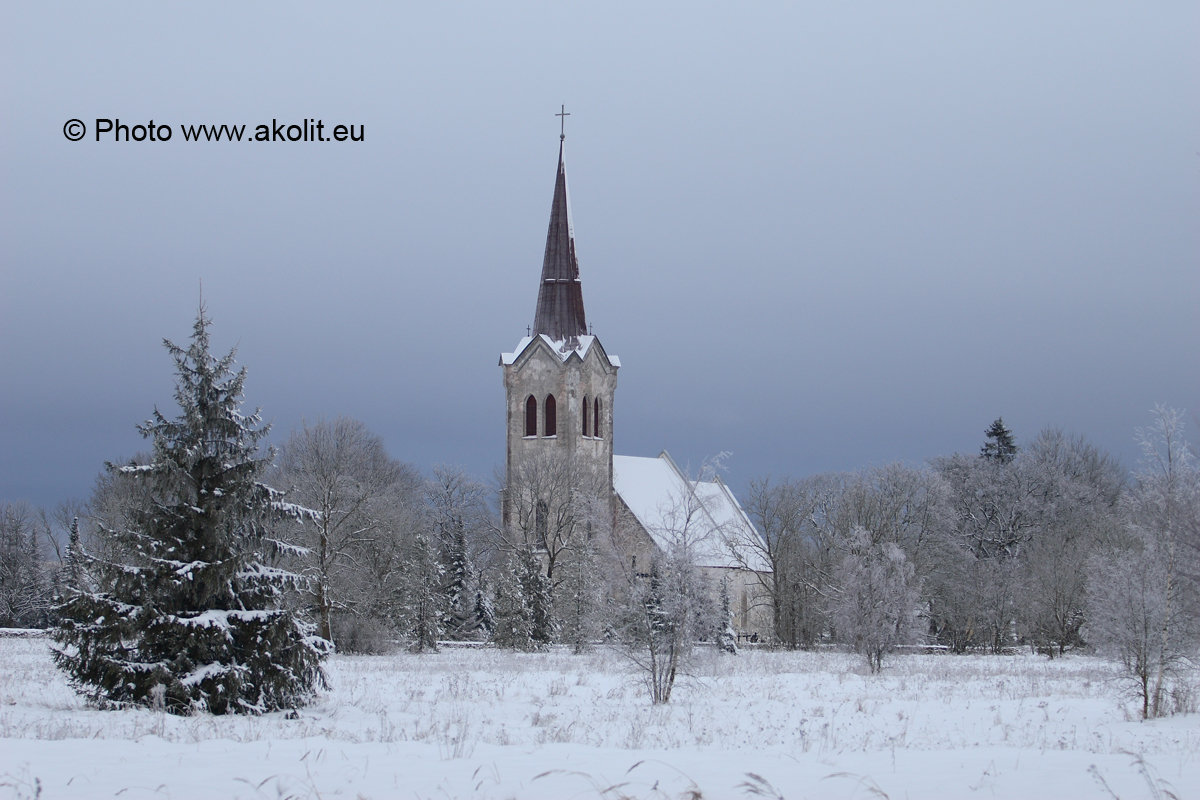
{"x": 560, "y": 387}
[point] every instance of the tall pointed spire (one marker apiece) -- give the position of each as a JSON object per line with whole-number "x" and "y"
{"x": 559, "y": 312}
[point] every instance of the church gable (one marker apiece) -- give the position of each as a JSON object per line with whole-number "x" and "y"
{"x": 580, "y": 349}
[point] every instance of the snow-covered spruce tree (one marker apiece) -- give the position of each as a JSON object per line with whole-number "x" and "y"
{"x": 513, "y": 617}
{"x": 191, "y": 616}
{"x": 483, "y": 616}
{"x": 726, "y": 636}
{"x": 538, "y": 591}
{"x": 458, "y": 509}
{"x": 424, "y": 601}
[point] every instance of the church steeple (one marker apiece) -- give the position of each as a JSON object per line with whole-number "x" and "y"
{"x": 559, "y": 312}
{"x": 559, "y": 382}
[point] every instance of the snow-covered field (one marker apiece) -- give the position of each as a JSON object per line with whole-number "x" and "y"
{"x": 492, "y": 724}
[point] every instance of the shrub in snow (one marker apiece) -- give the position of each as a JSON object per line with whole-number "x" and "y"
{"x": 185, "y": 612}
{"x": 660, "y": 625}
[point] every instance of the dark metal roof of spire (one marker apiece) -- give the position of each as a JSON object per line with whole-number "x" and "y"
{"x": 559, "y": 312}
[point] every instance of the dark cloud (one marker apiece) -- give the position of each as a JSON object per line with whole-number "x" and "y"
{"x": 819, "y": 237}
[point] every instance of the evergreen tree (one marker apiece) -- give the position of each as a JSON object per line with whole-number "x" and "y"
{"x": 726, "y": 637}
{"x": 484, "y": 614}
{"x": 538, "y": 591}
{"x": 426, "y": 603}
{"x": 513, "y": 615}
{"x": 74, "y": 567}
{"x": 24, "y": 590}
{"x": 1000, "y": 447}
{"x": 191, "y": 617}
{"x": 457, "y": 619}
{"x": 458, "y": 511}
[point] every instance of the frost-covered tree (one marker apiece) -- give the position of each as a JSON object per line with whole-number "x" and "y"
{"x": 662, "y": 624}
{"x": 1075, "y": 508}
{"x": 1127, "y": 613}
{"x": 187, "y": 613}
{"x": 459, "y": 515}
{"x": 787, "y": 515}
{"x": 341, "y": 471}
{"x": 990, "y": 512}
{"x": 808, "y": 524}
{"x": 875, "y": 607}
{"x": 666, "y": 610}
{"x": 24, "y": 585}
{"x": 1144, "y": 605}
{"x": 589, "y": 573}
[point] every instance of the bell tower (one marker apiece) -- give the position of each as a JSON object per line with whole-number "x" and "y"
{"x": 559, "y": 381}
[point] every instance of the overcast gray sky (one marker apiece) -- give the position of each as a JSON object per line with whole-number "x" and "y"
{"x": 821, "y": 236}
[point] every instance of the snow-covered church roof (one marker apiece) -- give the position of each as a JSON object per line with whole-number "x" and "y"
{"x": 703, "y": 515}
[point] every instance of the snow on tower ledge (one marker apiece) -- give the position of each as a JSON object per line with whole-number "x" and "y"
{"x": 563, "y": 348}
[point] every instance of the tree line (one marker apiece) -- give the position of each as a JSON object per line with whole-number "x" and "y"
{"x": 212, "y": 572}
{"x": 1050, "y": 546}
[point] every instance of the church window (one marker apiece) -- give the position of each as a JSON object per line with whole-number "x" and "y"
{"x": 587, "y": 431}
{"x": 551, "y": 416}
{"x": 531, "y": 416}
{"x": 596, "y": 419}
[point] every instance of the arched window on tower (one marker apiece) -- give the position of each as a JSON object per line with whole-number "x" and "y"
{"x": 587, "y": 417}
{"x": 596, "y": 418}
{"x": 531, "y": 416}
{"x": 551, "y": 417}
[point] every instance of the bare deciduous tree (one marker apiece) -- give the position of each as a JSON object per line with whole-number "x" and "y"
{"x": 360, "y": 495}
{"x": 664, "y": 610}
{"x": 1142, "y": 605}
{"x": 1076, "y": 511}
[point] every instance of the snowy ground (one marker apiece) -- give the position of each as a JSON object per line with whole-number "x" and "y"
{"x": 491, "y": 724}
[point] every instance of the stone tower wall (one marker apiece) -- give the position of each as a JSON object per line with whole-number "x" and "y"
{"x": 540, "y": 372}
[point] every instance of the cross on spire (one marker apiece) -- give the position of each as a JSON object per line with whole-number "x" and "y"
{"x": 562, "y": 115}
